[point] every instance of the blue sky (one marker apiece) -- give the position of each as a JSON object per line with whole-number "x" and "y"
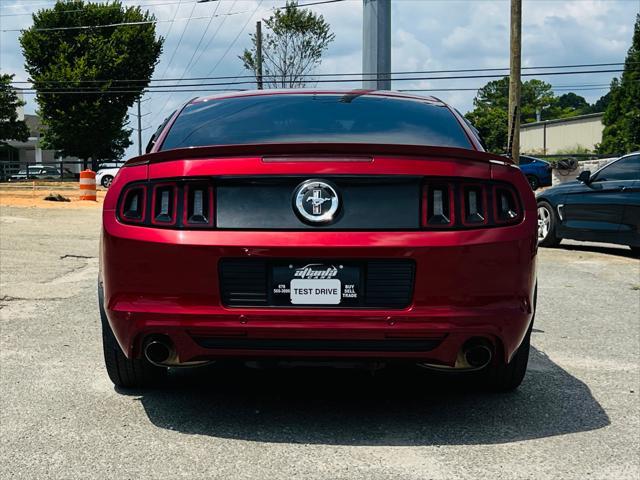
{"x": 427, "y": 35}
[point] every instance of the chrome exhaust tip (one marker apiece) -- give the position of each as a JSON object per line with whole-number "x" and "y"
{"x": 158, "y": 351}
{"x": 478, "y": 355}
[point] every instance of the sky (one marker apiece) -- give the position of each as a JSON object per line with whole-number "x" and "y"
{"x": 426, "y": 35}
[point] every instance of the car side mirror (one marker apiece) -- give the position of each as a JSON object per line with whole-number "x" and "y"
{"x": 585, "y": 177}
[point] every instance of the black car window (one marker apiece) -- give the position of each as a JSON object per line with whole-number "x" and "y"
{"x": 320, "y": 118}
{"x": 627, "y": 168}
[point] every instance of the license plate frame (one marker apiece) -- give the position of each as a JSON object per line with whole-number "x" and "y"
{"x": 348, "y": 274}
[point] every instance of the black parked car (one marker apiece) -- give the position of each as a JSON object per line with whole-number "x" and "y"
{"x": 598, "y": 207}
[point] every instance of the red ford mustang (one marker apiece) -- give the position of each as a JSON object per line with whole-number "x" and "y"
{"x": 318, "y": 225}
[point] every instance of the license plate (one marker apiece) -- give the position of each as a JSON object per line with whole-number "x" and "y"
{"x": 315, "y": 292}
{"x": 315, "y": 283}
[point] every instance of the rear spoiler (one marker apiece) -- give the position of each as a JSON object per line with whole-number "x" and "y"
{"x": 297, "y": 149}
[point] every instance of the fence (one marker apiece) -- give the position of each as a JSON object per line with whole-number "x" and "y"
{"x": 58, "y": 171}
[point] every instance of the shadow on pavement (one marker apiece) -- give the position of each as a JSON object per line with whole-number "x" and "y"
{"x": 353, "y": 407}
{"x": 617, "y": 250}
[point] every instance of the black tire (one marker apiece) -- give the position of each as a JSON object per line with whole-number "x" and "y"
{"x": 635, "y": 251}
{"x": 125, "y": 372}
{"x": 106, "y": 181}
{"x": 533, "y": 182}
{"x": 549, "y": 239}
{"x": 507, "y": 377}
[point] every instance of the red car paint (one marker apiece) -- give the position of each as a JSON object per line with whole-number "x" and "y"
{"x": 476, "y": 282}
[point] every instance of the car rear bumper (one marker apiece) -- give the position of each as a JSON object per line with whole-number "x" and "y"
{"x": 468, "y": 284}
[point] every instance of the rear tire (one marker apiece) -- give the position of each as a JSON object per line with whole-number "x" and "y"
{"x": 534, "y": 183}
{"x": 547, "y": 221}
{"x": 125, "y": 372}
{"x": 508, "y": 377}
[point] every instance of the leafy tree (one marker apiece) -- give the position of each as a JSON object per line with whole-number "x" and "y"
{"x": 75, "y": 47}
{"x": 622, "y": 116}
{"x": 291, "y": 47}
{"x": 10, "y": 127}
{"x": 567, "y": 105}
{"x": 602, "y": 103}
{"x": 491, "y": 105}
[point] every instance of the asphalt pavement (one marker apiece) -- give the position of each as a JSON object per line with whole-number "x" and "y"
{"x": 576, "y": 415}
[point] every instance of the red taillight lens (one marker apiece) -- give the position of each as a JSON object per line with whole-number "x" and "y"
{"x": 133, "y": 205}
{"x": 198, "y": 205}
{"x": 507, "y": 209}
{"x": 177, "y": 204}
{"x": 474, "y": 204}
{"x": 458, "y": 203}
{"x": 165, "y": 204}
{"x": 437, "y": 205}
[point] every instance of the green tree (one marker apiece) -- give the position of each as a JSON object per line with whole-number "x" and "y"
{"x": 567, "y": 105}
{"x": 292, "y": 47}
{"x": 75, "y": 47}
{"x": 10, "y": 127}
{"x": 491, "y": 105}
{"x": 602, "y": 103}
{"x": 622, "y": 116}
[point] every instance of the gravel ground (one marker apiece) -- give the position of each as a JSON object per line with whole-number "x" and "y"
{"x": 576, "y": 415}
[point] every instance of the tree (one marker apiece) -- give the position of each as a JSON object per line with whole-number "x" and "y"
{"x": 87, "y": 72}
{"x": 602, "y": 103}
{"x": 491, "y": 105}
{"x": 292, "y": 47}
{"x": 621, "y": 118}
{"x": 10, "y": 127}
{"x": 567, "y": 105}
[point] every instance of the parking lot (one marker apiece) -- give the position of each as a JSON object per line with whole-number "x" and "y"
{"x": 576, "y": 415}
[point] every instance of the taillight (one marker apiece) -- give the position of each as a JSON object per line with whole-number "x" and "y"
{"x": 458, "y": 203}
{"x": 178, "y": 204}
{"x": 437, "y": 205}
{"x": 198, "y": 205}
{"x": 474, "y": 204}
{"x": 133, "y": 205}
{"x": 507, "y": 209}
{"x": 165, "y": 204}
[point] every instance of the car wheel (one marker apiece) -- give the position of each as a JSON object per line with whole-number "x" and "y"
{"x": 533, "y": 182}
{"x": 106, "y": 181}
{"x": 504, "y": 378}
{"x": 125, "y": 372}
{"x": 547, "y": 226}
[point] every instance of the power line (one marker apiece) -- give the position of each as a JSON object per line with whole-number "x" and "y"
{"x": 215, "y": 34}
{"x": 244, "y": 27}
{"x": 415, "y": 72}
{"x": 203, "y": 50}
{"x": 44, "y": 5}
{"x": 352, "y": 80}
{"x": 195, "y": 90}
{"x": 119, "y": 24}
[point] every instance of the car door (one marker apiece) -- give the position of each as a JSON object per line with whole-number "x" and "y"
{"x": 595, "y": 210}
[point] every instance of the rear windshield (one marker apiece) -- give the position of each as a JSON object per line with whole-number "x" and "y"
{"x": 320, "y": 118}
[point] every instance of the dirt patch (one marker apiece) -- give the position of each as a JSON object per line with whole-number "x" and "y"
{"x": 36, "y": 198}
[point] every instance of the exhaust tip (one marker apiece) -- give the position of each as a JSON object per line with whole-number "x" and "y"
{"x": 157, "y": 351}
{"x": 478, "y": 355}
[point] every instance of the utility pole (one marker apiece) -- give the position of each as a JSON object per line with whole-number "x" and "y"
{"x": 259, "y": 55}
{"x": 514, "y": 80}
{"x": 376, "y": 44}
{"x": 139, "y": 129}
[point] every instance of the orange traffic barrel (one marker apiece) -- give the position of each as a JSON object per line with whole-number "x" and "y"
{"x": 88, "y": 185}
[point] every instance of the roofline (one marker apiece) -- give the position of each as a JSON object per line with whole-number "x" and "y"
{"x": 562, "y": 120}
{"x": 313, "y": 91}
